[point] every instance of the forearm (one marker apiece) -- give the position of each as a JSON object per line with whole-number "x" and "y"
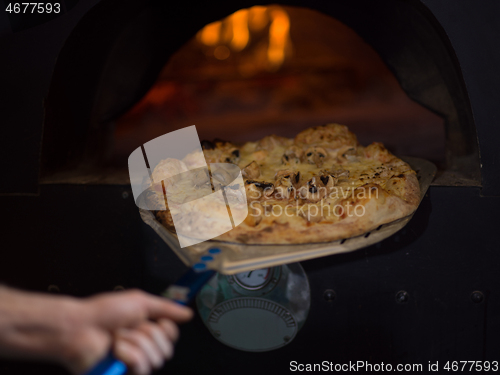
{"x": 34, "y": 325}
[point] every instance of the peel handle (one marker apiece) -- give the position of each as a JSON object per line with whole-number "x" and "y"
{"x": 182, "y": 292}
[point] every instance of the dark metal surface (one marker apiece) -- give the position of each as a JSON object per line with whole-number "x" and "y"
{"x": 428, "y": 293}
{"x": 26, "y": 67}
{"x": 81, "y": 239}
{"x": 86, "y": 239}
{"x": 410, "y": 299}
{"x": 474, "y": 33}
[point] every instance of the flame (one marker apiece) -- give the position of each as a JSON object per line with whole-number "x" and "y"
{"x": 278, "y": 38}
{"x": 210, "y": 34}
{"x": 241, "y": 36}
{"x": 234, "y": 32}
{"x": 257, "y": 18}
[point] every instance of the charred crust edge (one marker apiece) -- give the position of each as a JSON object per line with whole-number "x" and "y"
{"x": 207, "y": 145}
{"x": 260, "y": 184}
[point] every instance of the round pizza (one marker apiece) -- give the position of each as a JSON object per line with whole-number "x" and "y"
{"x": 320, "y": 186}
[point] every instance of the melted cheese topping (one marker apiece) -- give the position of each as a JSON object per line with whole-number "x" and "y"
{"x": 364, "y": 170}
{"x": 326, "y": 157}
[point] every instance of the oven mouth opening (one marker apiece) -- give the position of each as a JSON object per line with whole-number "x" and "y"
{"x": 258, "y": 71}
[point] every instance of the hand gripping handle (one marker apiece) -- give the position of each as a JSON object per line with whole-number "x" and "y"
{"x": 182, "y": 292}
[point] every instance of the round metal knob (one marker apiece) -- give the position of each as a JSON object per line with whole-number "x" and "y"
{"x": 402, "y": 296}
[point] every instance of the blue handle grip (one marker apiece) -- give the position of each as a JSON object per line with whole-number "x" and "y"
{"x": 108, "y": 366}
{"x": 182, "y": 292}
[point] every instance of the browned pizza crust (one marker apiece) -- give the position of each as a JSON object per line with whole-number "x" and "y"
{"x": 320, "y": 186}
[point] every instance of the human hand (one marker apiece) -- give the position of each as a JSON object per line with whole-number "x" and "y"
{"x": 139, "y": 328}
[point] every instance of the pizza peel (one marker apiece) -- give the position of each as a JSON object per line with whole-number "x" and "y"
{"x": 206, "y": 258}
{"x": 236, "y": 257}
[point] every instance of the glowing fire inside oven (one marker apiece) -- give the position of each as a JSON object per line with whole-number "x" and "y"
{"x": 236, "y": 32}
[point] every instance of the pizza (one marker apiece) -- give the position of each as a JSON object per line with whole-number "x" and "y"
{"x": 320, "y": 186}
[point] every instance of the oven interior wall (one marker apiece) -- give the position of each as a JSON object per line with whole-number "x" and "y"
{"x": 137, "y": 45}
{"x": 242, "y": 93}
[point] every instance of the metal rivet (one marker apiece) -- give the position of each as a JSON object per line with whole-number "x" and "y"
{"x": 329, "y": 295}
{"x": 53, "y": 289}
{"x": 118, "y": 288}
{"x": 477, "y": 296}
{"x": 200, "y": 266}
{"x": 286, "y": 338}
{"x": 125, "y": 195}
{"x": 402, "y": 296}
{"x": 207, "y": 258}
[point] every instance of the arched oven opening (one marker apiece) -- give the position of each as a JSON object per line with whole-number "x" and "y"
{"x": 125, "y": 77}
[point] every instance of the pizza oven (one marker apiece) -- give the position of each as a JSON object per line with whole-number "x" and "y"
{"x": 88, "y": 88}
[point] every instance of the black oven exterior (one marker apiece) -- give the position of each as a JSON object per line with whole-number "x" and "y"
{"x": 426, "y": 294}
